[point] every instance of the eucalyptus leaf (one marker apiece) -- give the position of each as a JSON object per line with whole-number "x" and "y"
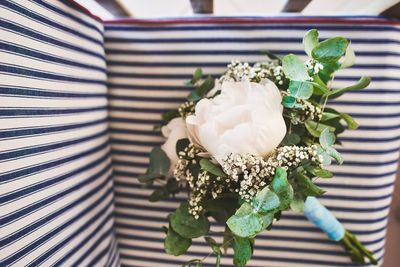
{"x": 206, "y": 86}
{"x": 291, "y": 139}
{"x": 294, "y": 68}
{"x": 297, "y": 205}
{"x": 221, "y": 208}
{"x": 300, "y": 90}
{"x": 326, "y": 116}
{"x": 245, "y": 223}
{"x": 322, "y": 173}
{"x": 213, "y": 244}
{"x": 169, "y": 115}
{"x": 351, "y": 123}
{"x": 186, "y": 225}
{"x": 157, "y": 195}
{"x": 189, "y": 263}
{"x": 199, "y": 264}
{"x": 265, "y": 201}
{"x": 282, "y": 188}
{"x": 271, "y": 55}
{"x": 315, "y": 128}
{"x": 310, "y": 40}
{"x": 211, "y": 168}
{"x": 196, "y": 75}
{"x": 361, "y": 84}
{"x": 149, "y": 177}
{"x": 326, "y": 159}
{"x": 307, "y": 187}
{"x": 159, "y": 162}
{"x": 335, "y": 154}
{"x": 176, "y": 245}
{"x": 193, "y": 96}
{"x": 268, "y": 219}
{"x": 326, "y": 139}
{"x": 330, "y": 50}
{"x": 288, "y": 101}
{"x": 242, "y": 251}
{"x": 349, "y": 58}
{"x": 320, "y": 87}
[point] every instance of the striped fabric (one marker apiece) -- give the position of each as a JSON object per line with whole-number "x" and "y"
{"x": 146, "y": 66}
{"x": 56, "y": 187}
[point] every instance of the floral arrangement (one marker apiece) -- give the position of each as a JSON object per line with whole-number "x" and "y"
{"x": 249, "y": 145}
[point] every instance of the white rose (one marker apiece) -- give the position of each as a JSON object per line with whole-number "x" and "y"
{"x": 245, "y": 118}
{"x": 173, "y": 131}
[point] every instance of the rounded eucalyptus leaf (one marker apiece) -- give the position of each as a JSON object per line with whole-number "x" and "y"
{"x": 310, "y": 41}
{"x": 282, "y": 188}
{"x": 301, "y": 90}
{"x": 265, "y": 201}
{"x": 242, "y": 251}
{"x": 330, "y": 50}
{"x": 159, "y": 162}
{"x": 176, "y": 245}
{"x": 186, "y": 225}
{"x": 245, "y": 223}
{"x": 326, "y": 139}
{"x": 294, "y": 68}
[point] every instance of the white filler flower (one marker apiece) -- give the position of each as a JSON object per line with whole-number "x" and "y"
{"x": 245, "y": 118}
{"x": 173, "y": 131}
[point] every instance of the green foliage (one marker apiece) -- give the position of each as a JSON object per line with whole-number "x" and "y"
{"x": 198, "y": 263}
{"x": 149, "y": 177}
{"x": 300, "y": 90}
{"x": 349, "y": 58}
{"x": 242, "y": 251}
{"x": 271, "y": 56}
{"x": 193, "y": 96}
{"x": 216, "y": 249}
{"x": 157, "y": 195}
{"x": 282, "y": 188}
{"x": 361, "y": 84}
{"x": 181, "y": 144}
{"x": 211, "y": 168}
{"x": 351, "y": 123}
{"x": 176, "y": 245}
{"x": 322, "y": 173}
{"x": 330, "y": 51}
{"x": 265, "y": 201}
{"x": 326, "y": 139}
{"x": 159, "y": 162}
{"x": 315, "y": 128}
{"x": 294, "y": 68}
{"x": 196, "y": 76}
{"x": 245, "y": 223}
{"x": 288, "y": 101}
{"x": 291, "y": 139}
{"x": 186, "y": 225}
{"x": 205, "y": 87}
{"x": 307, "y": 187}
{"x": 297, "y": 204}
{"x": 221, "y": 208}
{"x": 310, "y": 41}
{"x": 169, "y": 115}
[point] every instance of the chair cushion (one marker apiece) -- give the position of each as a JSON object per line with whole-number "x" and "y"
{"x": 147, "y": 63}
{"x": 56, "y": 187}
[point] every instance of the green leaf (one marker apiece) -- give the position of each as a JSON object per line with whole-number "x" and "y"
{"x": 149, "y": 177}
{"x": 330, "y": 50}
{"x": 326, "y": 159}
{"x": 300, "y": 90}
{"x": 172, "y": 186}
{"x": 297, "y": 205}
{"x": 288, "y": 101}
{"x": 282, "y": 188}
{"x": 351, "y": 123}
{"x": 189, "y": 263}
{"x": 213, "y": 244}
{"x": 326, "y": 139}
{"x": 227, "y": 236}
{"x": 159, "y": 162}
{"x": 199, "y": 264}
{"x": 336, "y": 155}
{"x": 322, "y": 173}
{"x": 193, "y": 96}
{"x": 320, "y": 87}
{"x": 211, "y": 168}
{"x": 294, "y": 68}
{"x": 245, "y": 223}
{"x": 271, "y": 56}
{"x": 291, "y": 139}
{"x": 206, "y": 86}
{"x": 176, "y": 245}
{"x": 181, "y": 144}
{"x": 349, "y": 58}
{"x": 329, "y": 68}
{"x": 265, "y": 201}
{"x": 267, "y": 219}
{"x": 186, "y": 225}
{"x": 310, "y": 40}
{"x": 221, "y": 208}
{"x": 169, "y": 115}
{"x": 326, "y": 116}
{"x": 242, "y": 251}
{"x": 361, "y": 84}
{"x": 196, "y": 75}
{"x": 315, "y": 128}
{"x": 307, "y": 187}
{"x": 157, "y": 195}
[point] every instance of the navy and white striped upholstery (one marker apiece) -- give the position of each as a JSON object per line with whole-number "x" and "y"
{"x": 56, "y": 187}
{"x": 146, "y": 67}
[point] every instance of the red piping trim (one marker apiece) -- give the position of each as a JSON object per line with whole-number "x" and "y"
{"x": 210, "y": 20}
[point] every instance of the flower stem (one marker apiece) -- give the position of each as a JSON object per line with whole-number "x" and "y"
{"x": 356, "y": 249}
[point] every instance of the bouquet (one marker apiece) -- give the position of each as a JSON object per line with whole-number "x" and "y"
{"x": 249, "y": 145}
